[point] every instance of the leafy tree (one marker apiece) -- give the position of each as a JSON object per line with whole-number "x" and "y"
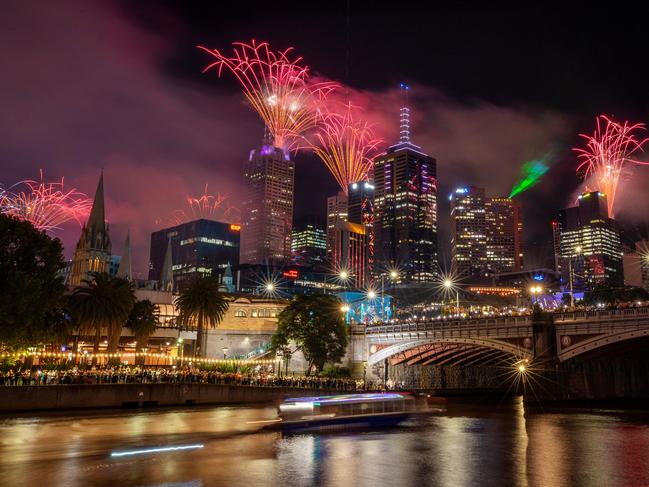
{"x": 315, "y": 326}
{"x": 201, "y": 305}
{"x": 143, "y": 321}
{"x": 102, "y": 302}
{"x": 615, "y": 295}
{"x": 30, "y": 287}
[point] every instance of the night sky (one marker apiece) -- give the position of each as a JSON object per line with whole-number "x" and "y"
{"x": 118, "y": 85}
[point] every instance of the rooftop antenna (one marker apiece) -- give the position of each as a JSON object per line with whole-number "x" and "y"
{"x": 404, "y": 116}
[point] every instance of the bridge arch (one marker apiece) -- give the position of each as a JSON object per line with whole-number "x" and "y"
{"x": 388, "y": 352}
{"x": 600, "y": 341}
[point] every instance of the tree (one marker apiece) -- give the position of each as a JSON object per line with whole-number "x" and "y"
{"x": 143, "y": 321}
{"x": 102, "y": 302}
{"x": 30, "y": 285}
{"x": 201, "y": 305}
{"x": 315, "y": 326}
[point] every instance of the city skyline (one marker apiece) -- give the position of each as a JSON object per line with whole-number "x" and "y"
{"x": 469, "y": 132}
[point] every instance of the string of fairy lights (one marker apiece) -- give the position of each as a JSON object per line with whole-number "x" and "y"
{"x": 170, "y": 358}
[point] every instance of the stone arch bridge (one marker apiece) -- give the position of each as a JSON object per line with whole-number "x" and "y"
{"x": 494, "y": 340}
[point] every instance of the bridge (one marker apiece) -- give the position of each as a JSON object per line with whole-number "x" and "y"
{"x": 503, "y": 339}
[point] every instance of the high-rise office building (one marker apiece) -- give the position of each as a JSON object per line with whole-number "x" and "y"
{"x": 486, "y": 234}
{"x": 351, "y": 251}
{"x": 336, "y": 212}
{"x": 504, "y": 225}
{"x": 405, "y": 209}
{"x": 93, "y": 251}
{"x": 590, "y": 248}
{"x": 469, "y": 233}
{"x": 308, "y": 245}
{"x": 199, "y": 247}
{"x": 267, "y": 207}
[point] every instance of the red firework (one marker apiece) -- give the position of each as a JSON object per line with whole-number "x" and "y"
{"x": 47, "y": 206}
{"x": 346, "y": 144}
{"x": 208, "y": 206}
{"x": 277, "y": 86}
{"x": 607, "y": 151}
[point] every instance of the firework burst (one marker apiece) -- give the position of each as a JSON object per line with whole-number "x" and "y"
{"x": 346, "y": 144}
{"x": 277, "y": 86}
{"x": 46, "y": 205}
{"x": 205, "y": 206}
{"x": 607, "y": 151}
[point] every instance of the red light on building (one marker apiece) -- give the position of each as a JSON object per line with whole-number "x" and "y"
{"x": 291, "y": 274}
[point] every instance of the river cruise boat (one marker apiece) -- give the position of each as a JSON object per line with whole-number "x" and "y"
{"x": 323, "y": 413}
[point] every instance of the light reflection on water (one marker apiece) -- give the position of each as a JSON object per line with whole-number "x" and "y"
{"x": 468, "y": 445}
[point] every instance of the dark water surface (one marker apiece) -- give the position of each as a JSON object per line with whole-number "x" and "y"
{"x": 469, "y": 445}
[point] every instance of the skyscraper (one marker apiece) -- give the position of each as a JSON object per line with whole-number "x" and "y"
{"x": 590, "y": 248}
{"x": 486, "y": 234}
{"x": 350, "y": 251}
{"x": 469, "y": 233}
{"x": 405, "y": 209}
{"x": 93, "y": 251}
{"x": 504, "y": 235}
{"x": 308, "y": 245}
{"x": 199, "y": 247}
{"x": 268, "y": 207}
{"x": 336, "y": 212}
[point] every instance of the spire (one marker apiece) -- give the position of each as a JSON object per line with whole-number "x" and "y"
{"x": 404, "y": 117}
{"x": 97, "y": 218}
{"x": 124, "y": 271}
{"x": 167, "y": 276}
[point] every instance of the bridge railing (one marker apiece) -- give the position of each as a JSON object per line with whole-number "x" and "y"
{"x": 618, "y": 314}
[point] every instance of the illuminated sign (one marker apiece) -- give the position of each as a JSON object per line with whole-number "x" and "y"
{"x": 537, "y": 277}
{"x": 235, "y": 228}
{"x": 291, "y": 274}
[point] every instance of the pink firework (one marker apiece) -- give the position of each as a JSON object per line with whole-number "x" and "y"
{"x": 47, "y": 206}
{"x": 277, "y": 86}
{"x": 607, "y": 151}
{"x": 208, "y": 206}
{"x": 346, "y": 144}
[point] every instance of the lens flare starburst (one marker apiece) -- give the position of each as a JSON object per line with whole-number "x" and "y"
{"x": 606, "y": 153}
{"x": 277, "y": 86}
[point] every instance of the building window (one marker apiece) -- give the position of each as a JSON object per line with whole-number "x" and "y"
{"x": 254, "y": 313}
{"x": 240, "y": 313}
{"x": 273, "y": 313}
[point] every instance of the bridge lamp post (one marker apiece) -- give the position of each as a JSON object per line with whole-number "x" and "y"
{"x": 448, "y": 284}
{"x": 535, "y": 291}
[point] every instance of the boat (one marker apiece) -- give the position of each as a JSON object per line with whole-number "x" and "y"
{"x": 327, "y": 413}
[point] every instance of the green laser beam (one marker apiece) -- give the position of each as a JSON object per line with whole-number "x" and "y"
{"x": 531, "y": 173}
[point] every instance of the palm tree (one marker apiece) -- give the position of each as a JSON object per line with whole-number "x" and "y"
{"x": 201, "y": 304}
{"x": 143, "y": 321}
{"x": 102, "y": 302}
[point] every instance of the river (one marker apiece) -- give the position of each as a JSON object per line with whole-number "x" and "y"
{"x": 468, "y": 445}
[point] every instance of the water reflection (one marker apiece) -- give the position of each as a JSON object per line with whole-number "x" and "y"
{"x": 468, "y": 445}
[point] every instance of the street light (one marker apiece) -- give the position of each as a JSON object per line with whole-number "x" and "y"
{"x": 393, "y": 274}
{"x": 371, "y": 294}
{"x": 344, "y": 275}
{"x": 270, "y": 287}
{"x": 448, "y": 284}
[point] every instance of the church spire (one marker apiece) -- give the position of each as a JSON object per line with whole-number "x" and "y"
{"x": 97, "y": 218}
{"x": 125, "y": 271}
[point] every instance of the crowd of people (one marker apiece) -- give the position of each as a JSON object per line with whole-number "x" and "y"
{"x": 145, "y": 375}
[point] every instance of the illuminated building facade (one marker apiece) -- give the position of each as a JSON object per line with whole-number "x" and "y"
{"x": 590, "y": 248}
{"x": 336, "y": 212}
{"x": 93, "y": 251}
{"x": 405, "y": 209}
{"x": 504, "y": 225}
{"x": 268, "y": 207}
{"x": 469, "y": 233}
{"x": 199, "y": 247}
{"x": 486, "y": 234}
{"x": 308, "y": 245}
{"x": 351, "y": 251}
{"x": 361, "y": 212}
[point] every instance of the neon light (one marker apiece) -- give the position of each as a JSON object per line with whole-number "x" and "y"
{"x": 348, "y": 398}
{"x": 154, "y": 450}
{"x": 537, "y": 277}
{"x": 235, "y": 228}
{"x": 461, "y": 190}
